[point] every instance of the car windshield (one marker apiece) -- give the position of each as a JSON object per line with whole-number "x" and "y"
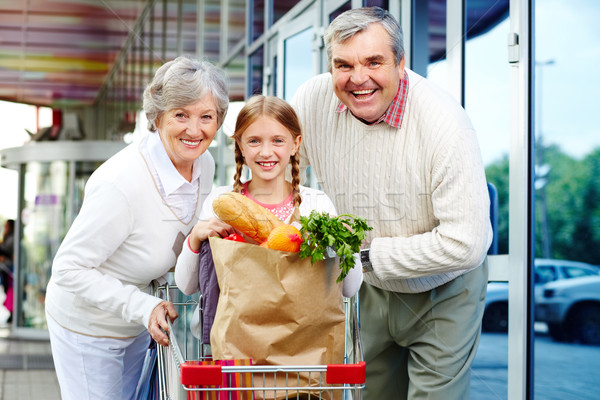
{"x": 574, "y": 272}
{"x": 544, "y": 274}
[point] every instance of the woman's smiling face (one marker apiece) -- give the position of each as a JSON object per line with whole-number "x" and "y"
{"x": 186, "y": 132}
{"x": 267, "y": 146}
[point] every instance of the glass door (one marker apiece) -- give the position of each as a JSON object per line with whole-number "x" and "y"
{"x": 567, "y": 200}
{"x": 487, "y": 102}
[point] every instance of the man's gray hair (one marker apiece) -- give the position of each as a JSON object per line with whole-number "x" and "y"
{"x": 351, "y": 22}
{"x": 181, "y": 82}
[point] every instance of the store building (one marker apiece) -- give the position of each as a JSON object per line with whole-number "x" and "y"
{"x": 90, "y": 60}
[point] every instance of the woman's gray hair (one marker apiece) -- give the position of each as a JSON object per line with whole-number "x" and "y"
{"x": 351, "y": 22}
{"x": 181, "y": 82}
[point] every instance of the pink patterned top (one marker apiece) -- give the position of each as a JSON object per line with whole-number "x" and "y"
{"x": 282, "y": 210}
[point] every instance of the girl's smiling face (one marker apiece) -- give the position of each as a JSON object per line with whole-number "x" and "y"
{"x": 267, "y": 146}
{"x": 186, "y": 132}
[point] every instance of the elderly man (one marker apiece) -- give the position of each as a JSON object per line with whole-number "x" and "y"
{"x": 388, "y": 145}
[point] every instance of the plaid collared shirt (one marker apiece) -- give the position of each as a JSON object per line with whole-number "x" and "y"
{"x": 393, "y": 115}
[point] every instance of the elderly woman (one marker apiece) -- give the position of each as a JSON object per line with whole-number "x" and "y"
{"x": 138, "y": 208}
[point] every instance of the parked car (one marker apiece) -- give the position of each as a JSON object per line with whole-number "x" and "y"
{"x": 571, "y": 309}
{"x": 495, "y": 316}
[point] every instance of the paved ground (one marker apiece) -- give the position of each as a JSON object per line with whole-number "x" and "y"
{"x": 26, "y": 369}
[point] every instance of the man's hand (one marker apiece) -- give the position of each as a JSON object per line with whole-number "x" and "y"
{"x": 158, "y": 326}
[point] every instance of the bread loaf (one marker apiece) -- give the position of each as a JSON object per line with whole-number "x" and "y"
{"x": 245, "y": 215}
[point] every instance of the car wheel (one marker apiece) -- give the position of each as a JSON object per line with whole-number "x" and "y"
{"x": 495, "y": 318}
{"x": 586, "y": 324}
{"x": 557, "y": 332}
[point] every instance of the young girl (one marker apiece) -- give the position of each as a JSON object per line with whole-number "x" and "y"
{"x": 267, "y": 138}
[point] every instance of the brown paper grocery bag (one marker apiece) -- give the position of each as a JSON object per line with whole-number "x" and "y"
{"x": 276, "y": 309}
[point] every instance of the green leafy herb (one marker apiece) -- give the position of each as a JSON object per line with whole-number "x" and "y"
{"x": 344, "y": 234}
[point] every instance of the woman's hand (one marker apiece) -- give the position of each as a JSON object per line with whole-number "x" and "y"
{"x": 158, "y": 322}
{"x": 207, "y": 228}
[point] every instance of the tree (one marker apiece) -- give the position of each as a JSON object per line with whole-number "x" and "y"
{"x": 585, "y": 243}
{"x": 572, "y": 189}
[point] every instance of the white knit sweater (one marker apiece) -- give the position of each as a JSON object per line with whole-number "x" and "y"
{"x": 422, "y": 187}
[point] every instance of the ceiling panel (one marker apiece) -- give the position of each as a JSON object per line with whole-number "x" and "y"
{"x": 59, "y": 53}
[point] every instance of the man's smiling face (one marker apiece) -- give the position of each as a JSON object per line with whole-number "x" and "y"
{"x": 365, "y": 77}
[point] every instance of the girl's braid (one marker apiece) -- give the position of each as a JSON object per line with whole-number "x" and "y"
{"x": 239, "y": 165}
{"x": 295, "y": 163}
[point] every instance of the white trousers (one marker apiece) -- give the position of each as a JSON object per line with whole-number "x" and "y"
{"x": 96, "y": 368}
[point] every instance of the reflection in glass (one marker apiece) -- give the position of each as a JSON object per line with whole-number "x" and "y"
{"x": 274, "y": 77}
{"x": 567, "y": 196}
{"x": 236, "y": 74}
{"x": 487, "y": 76}
{"x": 257, "y": 18}
{"x": 236, "y": 22}
{"x": 486, "y": 87}
{"x": 377, "y": 3}
{"x": 344, "y": 7}
{"x": 48, "y": 211}
{"x": 189, "y": 23}
{"x": 436, "y": 43}
{"x": 256, "y": 61}
{"x": 44, "y": 225}
{"x": 280, "y": 7}
{"x": 298, "y": 61}
{"x": 212, "y": 37}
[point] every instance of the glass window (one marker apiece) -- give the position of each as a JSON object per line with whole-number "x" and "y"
{"x": 545, "y": 273}
{"x": 189, "y": 23}
{"x": 298, "y": 61}
{"x": 567, "y": 208}
{"x": 43, "y": 225}
{"x": 436, "y": 22}
{"x": 575, "y": 272}
{"x": 487, "y": 76}
{"x": 211, "y": 30}
{"x": 344, "y": 7}
{"x": 280, "y": 7}
{"x": 275, "y": 71}
{"x": 235, "y": 73}
{"x": 172, "y": 27}
{"x": 237, "y": 22}
{"x": 257, "y": 18}
{"x": 256, "y": 71}
{"x": 48, "y": 211}
{"x": 385, "y": 4}
{"x": 486, "y": 94}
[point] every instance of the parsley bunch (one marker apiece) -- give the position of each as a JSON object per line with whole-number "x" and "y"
{"x": 344, "y": 234}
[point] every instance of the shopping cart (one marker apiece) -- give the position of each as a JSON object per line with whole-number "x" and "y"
{"x": 185, "y": 372}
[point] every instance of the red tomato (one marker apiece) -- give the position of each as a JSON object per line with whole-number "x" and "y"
{"x": 235, "y": 237}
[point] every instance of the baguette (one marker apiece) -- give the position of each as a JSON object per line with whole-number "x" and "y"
{"x": 245, "y": 215}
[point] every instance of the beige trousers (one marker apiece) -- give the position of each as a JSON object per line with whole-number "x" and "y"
{"x": 421, "y": 345}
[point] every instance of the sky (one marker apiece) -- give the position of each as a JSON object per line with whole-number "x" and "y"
{"x": 15, "y": 119}
{"x": 566, "y": 32}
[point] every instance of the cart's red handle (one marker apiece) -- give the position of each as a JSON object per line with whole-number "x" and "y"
{"x": 201, "y": 374}
{"x": 346, "y": 373}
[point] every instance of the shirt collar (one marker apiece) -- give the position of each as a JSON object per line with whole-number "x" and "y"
{"x": 170, "y": 178}
{"x": 395, "y": 112}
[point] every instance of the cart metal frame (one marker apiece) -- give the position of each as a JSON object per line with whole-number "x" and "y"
{"x": 180, "y": 377}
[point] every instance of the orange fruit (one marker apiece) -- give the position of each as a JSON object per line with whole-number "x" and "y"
{"x": 264, "y": 244}
{"x": 285, "y": 238}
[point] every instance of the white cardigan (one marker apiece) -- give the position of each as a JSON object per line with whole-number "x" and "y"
{"x": 124, "y": 237}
